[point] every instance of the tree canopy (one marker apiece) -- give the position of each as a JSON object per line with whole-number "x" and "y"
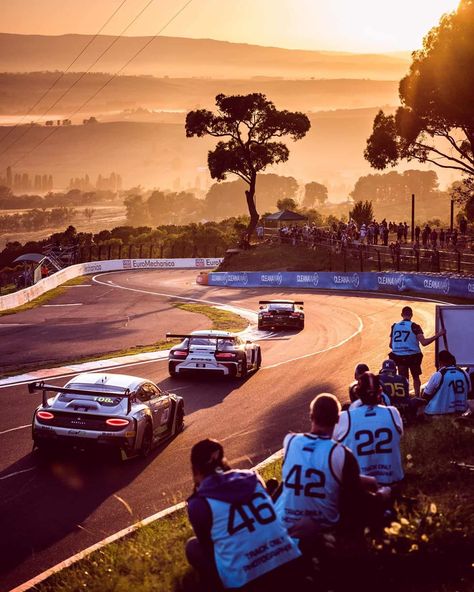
{"x": 250, "y": 124}
{"x": 435, "y": 123}
{"x": 314, "y": 192}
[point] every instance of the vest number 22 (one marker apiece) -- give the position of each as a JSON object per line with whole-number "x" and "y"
{"x": 380, "y": 438}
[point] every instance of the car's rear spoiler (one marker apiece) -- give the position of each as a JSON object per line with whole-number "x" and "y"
{"x": 203, "y": 336}
{"x": 298, "y": 302}
{"x": 45, "y": 388}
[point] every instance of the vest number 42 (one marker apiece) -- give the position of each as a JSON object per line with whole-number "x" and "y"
{"x": 315, "y": 481}
{"x": 244, "y": 516}
{"x": 380, "y": 438}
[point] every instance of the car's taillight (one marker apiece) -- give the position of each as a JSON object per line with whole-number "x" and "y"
{"x": 45, "y": 415}
{"x": 224, "y": 355}
{"x": 295, "y": 314}
{"x": 181, "y": 353}
{"x": 117, "y": 422}
{"x": 266, "y": 314}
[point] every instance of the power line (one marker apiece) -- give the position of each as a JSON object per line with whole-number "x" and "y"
{"x": 63, "y": 73}
{"x": 54, "y": 130}
{"x": 99, "y": 57}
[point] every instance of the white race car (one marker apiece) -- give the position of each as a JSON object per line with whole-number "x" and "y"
{"x": 214, "y": 352}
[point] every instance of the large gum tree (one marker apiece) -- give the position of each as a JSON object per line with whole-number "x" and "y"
{"x": 251, "y": 125}
{"x": 435, "y": 123}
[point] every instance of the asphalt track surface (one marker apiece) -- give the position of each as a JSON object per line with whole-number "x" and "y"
{"x": 51, "y": 509}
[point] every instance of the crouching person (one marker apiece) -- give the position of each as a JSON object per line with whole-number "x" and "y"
{"x": 239, "y": 539}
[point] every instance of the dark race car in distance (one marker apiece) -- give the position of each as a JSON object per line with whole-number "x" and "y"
{"x": 214, "y": 352}
{"x": 275, "y": 314}
{"x": 124, "y": 412}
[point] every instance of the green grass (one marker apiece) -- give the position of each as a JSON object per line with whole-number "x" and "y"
{"x": 429, "y": 548}
{"x": 221, "y": 319}
{"x": 46, "y": 297}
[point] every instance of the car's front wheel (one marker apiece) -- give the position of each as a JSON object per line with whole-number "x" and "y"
{"x": 259, "y": 359}
{"x": 180, "y": 419}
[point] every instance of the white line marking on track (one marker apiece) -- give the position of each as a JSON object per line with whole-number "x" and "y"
{"x": 28, "y": 425}
{"x": 15, "y": 324}
{"x": 72, "y": 304}
{"x": 17, "y": 473}
{"x": 79, "y": 286}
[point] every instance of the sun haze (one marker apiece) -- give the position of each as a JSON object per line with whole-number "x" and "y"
{"x": 342, "y": 25}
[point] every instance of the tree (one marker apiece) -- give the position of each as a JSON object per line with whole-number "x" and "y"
{"x": 287, "y": 203}
{"x": 362, "y": 212}
{"x": 435, "y": 123}
{"x": 250, "y": 122}
{"x": 314, "y": 192}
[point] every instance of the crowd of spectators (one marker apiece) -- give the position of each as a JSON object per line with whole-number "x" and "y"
{"x": 339, "y": 479}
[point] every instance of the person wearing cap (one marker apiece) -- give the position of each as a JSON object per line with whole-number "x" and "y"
{"x": 239, "y": 537}
{"x": 358, "y": 371}
{"x": 448, "y": 388}
{"x": 395, "y": 387}
{"x": 405, "y": 339}
{"x": 373, "y": 432}
{"x": 354, "y": 388}
{"x": 321, "y": 481}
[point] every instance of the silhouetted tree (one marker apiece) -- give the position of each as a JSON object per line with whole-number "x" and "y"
{"x": 314, "y": 192}
{"x": 287, "y": 203}
{"x": 436, "y": 120}
{"x": 362, "y": 212}
{"x": 250, "y": 123}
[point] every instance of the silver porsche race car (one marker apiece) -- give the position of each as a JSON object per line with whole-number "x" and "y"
{"x": 214, "y": 352}
{"x": 129, "y": 413}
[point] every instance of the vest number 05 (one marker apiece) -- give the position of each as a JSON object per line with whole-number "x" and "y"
{"x": 244, "y": 516}
{"x": 374, "y": 442}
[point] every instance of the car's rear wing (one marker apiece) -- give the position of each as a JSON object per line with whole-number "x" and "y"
{"x": 48, "y": 388}
{"x": 297, "y": 302}
{"x": 218, "y": 338}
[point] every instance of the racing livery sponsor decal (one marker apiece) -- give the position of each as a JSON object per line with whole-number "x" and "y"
{"x": 275, "y": 279}
{"x": 437, "y": 284}
{"x": 200, "y": 263}
{"x": 127, "y": 264}
{"x": 152, "y": 263}
{"x": 240, "y": 278}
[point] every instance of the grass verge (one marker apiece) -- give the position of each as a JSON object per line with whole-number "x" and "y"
{"x": 428, "y": 548}
{"x": 46, "y": 297}
{"x": 221, "y": 319}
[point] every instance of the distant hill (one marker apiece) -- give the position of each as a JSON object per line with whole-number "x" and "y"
{"x": 20, "y": 91}
{"x": 182, "y": 57}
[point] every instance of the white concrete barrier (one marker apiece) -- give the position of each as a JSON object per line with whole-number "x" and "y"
{"x": 53, "y": 281}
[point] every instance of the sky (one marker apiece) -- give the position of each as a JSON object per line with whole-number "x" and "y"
{"x": 361, "y": 26}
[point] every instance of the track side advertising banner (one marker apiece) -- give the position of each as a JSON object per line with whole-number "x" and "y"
{"x": 435, "y": 285}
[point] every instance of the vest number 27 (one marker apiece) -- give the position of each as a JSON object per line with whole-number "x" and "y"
{"x": 400, "y": 336}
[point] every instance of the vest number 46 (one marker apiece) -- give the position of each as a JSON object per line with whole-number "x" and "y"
{"x": 380, "y": 438}
{"x": 315, "y": 481}
{"x": 244, "y": 516}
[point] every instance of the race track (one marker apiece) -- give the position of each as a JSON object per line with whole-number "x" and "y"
{"x": 51, "y": 510}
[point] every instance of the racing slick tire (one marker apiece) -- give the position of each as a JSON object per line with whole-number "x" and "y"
{"x": 179, "y": 419}
{"x": 147, "y": 441}
{"x": 301, "y": 325}
{"x": 171, "y": 371}
{"x": 259, "y": 359}
{"x": 244, "y": 371}
{"x": 259, "y": 326}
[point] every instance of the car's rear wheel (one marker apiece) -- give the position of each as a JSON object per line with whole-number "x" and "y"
{"x": 179, "y": 419}
{"x": 301, "y": 325}
{"x": 259, "y": 358}
{"x": 260, "y": 326}
{"x": 145, "y": 448}
{"x": 171, "y": 370}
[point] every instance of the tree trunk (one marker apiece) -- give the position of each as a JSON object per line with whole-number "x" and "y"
{"x": 250, "y": 195}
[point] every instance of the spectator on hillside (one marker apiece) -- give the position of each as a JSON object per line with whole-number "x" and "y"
{"x": 373, "y": 432}
{"x": 321, "y": 483}
{"x": 463, "y": 225}
{"x": 448, "y": 388}
{"x": 435, "y": 262}
{"x": 442, "y": 238}
{"x": 239, "y": 538}
{"x": 434, "y": 238}
{"x": 405, "y": 232}
{"x": 417, "y": 233}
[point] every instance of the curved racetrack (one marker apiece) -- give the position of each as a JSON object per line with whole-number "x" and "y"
{"x": 51, "y": 510}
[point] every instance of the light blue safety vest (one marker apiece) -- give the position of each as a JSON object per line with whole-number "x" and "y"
{"x": 374, "y": 438}
{"x": 403, "y": 341}
{"x": 311, "y": 478}
{"x": 249, "y": 539}
{"x": 451, "y": 394}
